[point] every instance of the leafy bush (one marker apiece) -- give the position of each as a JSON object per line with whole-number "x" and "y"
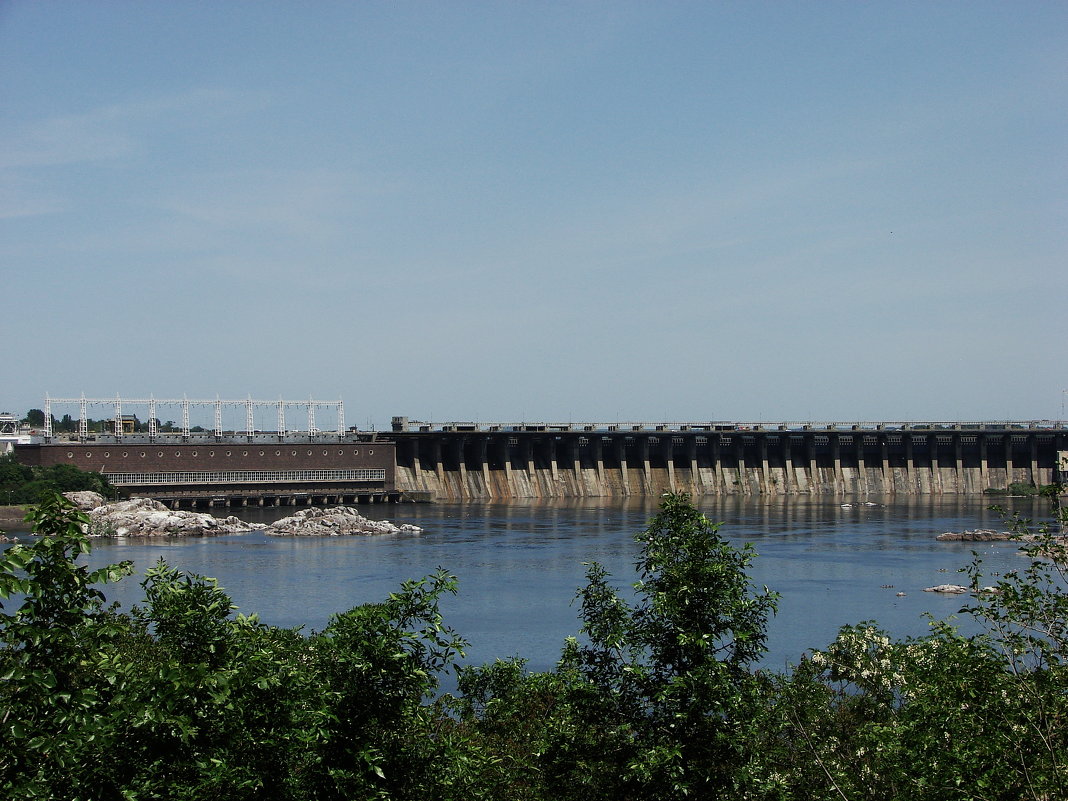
{"x": 943, "y": 716}
{"x": 179, "y": 699}
{"x": 1023, "y": 489}
{"x": 658, "y": 698}
{"x": 58, "y": 666}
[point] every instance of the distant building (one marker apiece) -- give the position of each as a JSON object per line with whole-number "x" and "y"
{"x": 9, "y": 425}
{"x": 11, "y": 434}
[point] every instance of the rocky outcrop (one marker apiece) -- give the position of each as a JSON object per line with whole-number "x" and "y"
{"x": 975, "y": 535}
{"x": 85, "y": 500}
{"x": 334, "y": 522}
{"x": 144, "y": 517}
{"x": 948, "y": 589}
{"x": 957, "y": 589}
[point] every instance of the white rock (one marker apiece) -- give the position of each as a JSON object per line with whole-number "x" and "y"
{"x": 338, "y": 521}
{"x": 85, "y": 500}
{"x": 144, "y": 517}
{"x": 950, "y": 589}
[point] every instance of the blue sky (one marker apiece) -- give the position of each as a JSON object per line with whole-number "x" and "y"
{"x": 519, "y": 211}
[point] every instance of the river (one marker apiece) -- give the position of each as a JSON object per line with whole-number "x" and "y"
{"x": 520, "y": 563}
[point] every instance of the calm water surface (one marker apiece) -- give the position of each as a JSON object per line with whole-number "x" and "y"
{"x": 520, "y": 563}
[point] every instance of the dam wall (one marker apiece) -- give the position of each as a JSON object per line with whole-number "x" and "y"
{"x": 468, "y": 461}
{"x": 559, "y": 462}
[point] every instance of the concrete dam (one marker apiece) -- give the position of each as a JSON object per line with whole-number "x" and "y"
{"x": 183, "y": 464}
{"x": 469, "y": 461}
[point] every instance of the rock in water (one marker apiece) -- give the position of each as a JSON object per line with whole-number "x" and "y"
{"x": 144, "y": 517}
{"x": 975, "y": 535}
{"x": 336, "y": 522}
{"x": 949, "y": 589}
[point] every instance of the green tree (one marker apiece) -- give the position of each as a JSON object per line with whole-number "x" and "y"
{"x": 35, "y": 418}
{"x": 184, "y": 700}
{"x": 938, "y": 717}
{"x": 218, "y": 706}
{"x": 658, "y": 696}
{"x": 381, "y": 662}
{"x": 56, "y": 666}
{"x": 657, "y": 699}
{"x": 13, "y": 474}
{"x": 1025, "y": 614}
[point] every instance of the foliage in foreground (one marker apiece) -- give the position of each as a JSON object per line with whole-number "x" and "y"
{"x": 181, "y": 700}
{"x": 658, "y": 698}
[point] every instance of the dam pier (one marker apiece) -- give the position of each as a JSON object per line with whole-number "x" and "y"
{"x": 478, "y": 461}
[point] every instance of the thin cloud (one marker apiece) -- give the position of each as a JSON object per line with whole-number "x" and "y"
{"x": 65, "y": 140}
{"x": 108, "y": 132}
{"x": 19, "y": 199}
{"x": 297, "y": 202}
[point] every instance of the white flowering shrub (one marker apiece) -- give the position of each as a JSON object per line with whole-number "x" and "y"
{"x": 937, "y": 717}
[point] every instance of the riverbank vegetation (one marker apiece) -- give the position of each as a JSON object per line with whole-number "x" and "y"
{"x": 23, "y": 484}
{"x": 657, "y": 697}
{"x": 1023, "y": 490}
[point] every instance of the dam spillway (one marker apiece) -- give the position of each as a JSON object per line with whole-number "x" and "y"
{"x": 469, "y": 461}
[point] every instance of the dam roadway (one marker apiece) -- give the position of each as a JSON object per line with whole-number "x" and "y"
{"x": 499, "y": 461}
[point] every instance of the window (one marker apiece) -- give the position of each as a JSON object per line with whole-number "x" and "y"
{"x": 248, "y": 476}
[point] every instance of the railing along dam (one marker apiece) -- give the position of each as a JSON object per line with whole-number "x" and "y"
{"x": 459, "y": 461}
